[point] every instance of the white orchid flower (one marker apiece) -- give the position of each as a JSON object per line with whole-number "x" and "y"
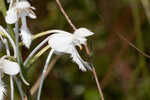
{"x": 64, "y": 43}
{"x": 18, "y": 10}
{"x": 21, "y": 9}
{"x": 9, "y": 67}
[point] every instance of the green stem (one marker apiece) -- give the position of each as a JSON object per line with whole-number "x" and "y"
{"x": 40, "y": 35}
{"x": 139, "y": 40}
{"x": 19, "y": 57}
{"x": 141, "y": 66}
{"x": 38, "y": 55}
{"x": 3, "y": 7}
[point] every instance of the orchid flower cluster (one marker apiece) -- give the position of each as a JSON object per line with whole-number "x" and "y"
{"x": 61, "y": 42}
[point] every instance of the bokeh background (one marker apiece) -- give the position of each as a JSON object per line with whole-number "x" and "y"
{"x": 123, "y": 72}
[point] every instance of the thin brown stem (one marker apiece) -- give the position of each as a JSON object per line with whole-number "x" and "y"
{"x": 97, "y": 83}
{"x": 95, "y": 75}
{"x": 132, "y": 45}
{"x": 65, "y": 14}
{"x": 37, "y": 83}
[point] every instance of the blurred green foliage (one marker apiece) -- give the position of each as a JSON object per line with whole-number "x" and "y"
{"x": 116, "y": 63}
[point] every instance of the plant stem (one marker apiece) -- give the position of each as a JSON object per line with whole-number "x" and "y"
{"x": 40, "y": 35}
{"x": 97, "y": 83}
{"x": 38, "y": 55}
{"x": 37, "y": 83}
{"x": 18, "y": 53}
{"x": 44, "y": 72}
{"x": 35, "y": 50}
{"x": 65, "y": 14}
{"x": 139, "y": 40}
{"x": 19, "y": 85}
{"x": 12, "y": 87}
{"x": 133, "y": 46}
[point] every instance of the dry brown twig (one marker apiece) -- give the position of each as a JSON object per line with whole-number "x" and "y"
{"x": 116, "y": 59}
{"x": 97, "y": 83}
{"x": 37, "y": 83}
{"x": 132, "y": 45}
{"x": 65, "y": 14}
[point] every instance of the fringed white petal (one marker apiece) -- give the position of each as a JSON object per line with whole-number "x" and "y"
{"x": 2, "y": 90}
{"x": 26, "y": 36}
{"x": 76, "y": 60}
{"x": 9, "y": 67}
{"x": 83, "y": 32}
{"x": 11, "y": 16}
{"x": 81, "y": 63}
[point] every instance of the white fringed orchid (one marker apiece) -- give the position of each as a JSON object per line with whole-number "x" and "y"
{"x": 63, "y": 42}
{"x": 18, "y": 10}
{"x": 21, "y": 9}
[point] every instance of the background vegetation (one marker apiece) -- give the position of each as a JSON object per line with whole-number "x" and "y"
{"x": 123, "y": 72}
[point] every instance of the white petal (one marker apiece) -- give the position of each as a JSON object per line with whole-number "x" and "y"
{"x": 23, "y": 5}
{"x": 2, "y": 91}
{"x": 83, "y": 32}
{"x": 26, "y": 36}
{"x": 9, "y": 67}
{"x": 11, "y": 16}
{"x": 60, "y": 42}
